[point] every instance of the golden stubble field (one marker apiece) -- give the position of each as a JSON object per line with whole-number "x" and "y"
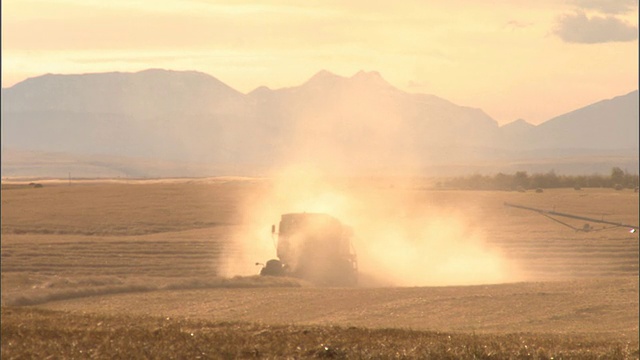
{"x": 134, "y": 254}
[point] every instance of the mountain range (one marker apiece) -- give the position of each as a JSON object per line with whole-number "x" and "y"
{"x": 121, "y": 124}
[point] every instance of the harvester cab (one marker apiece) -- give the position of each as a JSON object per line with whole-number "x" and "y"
{"x": 314, "y": 247}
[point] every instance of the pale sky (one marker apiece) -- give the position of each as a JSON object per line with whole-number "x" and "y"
{"x": 512, "y": 58}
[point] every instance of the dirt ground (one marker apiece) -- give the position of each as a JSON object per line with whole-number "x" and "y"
{"x": 161, "y": 249}
{"x": 599, "y": 306}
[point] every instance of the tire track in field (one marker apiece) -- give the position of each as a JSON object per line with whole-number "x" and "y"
{"x": 567, "y": 257}
{"x": 580, "y": 256}
{"x": 116, "y": 257}
{"x": 548, "y": 259}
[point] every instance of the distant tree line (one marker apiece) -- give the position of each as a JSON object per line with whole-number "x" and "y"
{"x": 618, "y": 179}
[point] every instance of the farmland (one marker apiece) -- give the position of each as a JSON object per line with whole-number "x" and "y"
{"x": 156, "y": 261}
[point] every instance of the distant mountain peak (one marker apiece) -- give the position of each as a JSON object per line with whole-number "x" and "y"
{"x": 367, "y": 78}
{"x": 260, "y": 90}
{"x": 367, "y": 75}
{"x": 370, "y": 78}
{"x": 167, "y": 72}
{"x": 520, "y": 123}
{"x": 154, "y": 70}
{"x": 324, "y": 76}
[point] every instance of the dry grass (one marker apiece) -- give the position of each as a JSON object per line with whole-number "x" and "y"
{"x": 607, "y": 307}
{"x": 99, "y": 209}
{"x": 127, "y": 252}
{"x": 32, "y": 333}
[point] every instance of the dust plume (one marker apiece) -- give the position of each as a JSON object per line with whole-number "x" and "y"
{"x": 401, "y": 238}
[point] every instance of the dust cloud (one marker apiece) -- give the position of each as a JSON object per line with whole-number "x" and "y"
{"x": 399, "y": 240}
{"x": 399, "y": 237}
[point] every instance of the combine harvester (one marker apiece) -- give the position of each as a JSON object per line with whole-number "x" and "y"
{"x": 585, "y": 228}
{"x": 314, "y": 247}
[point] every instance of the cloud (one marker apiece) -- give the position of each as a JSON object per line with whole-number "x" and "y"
{"x": 578, "y": 28}
{"x": 607, "y": 6}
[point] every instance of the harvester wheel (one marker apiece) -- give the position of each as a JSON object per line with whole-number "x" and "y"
{"x": 272, "y": 268}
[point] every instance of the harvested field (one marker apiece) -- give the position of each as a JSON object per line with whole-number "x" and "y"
{"x": 133, "y": 253}
{"x": 35, "y": 333}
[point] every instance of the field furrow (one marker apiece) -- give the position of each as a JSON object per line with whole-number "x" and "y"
{"x": 59, "y": 236}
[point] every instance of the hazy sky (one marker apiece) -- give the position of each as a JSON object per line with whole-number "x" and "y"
{"x": 511, "y": 58}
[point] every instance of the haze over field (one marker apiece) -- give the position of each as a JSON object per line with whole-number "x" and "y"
{"x": 450, "y": 88}
{"x": 168, "y": 123}
{"x": 148, "y": 147}
{"x": 401, "y": 237}
{"x": 281, "y": 117}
